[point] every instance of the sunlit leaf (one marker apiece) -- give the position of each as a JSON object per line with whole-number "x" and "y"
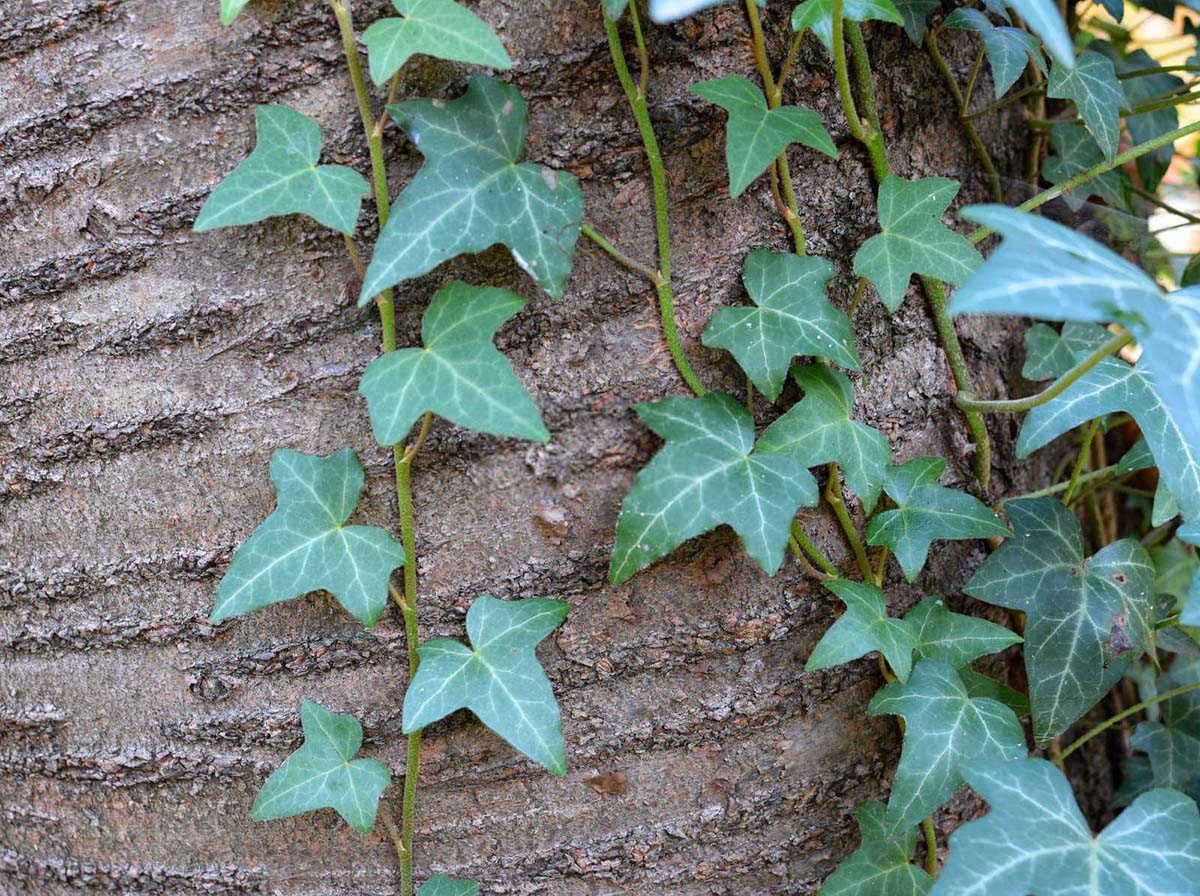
{"x": 440, "y": 28}
{"x": 1093, "y": 86}
{"x": 864, "y": 627}
{"x": 882, "y": 864}
{"x": 1043, "y": 19}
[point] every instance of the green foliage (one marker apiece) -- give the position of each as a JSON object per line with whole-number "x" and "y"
{"x": 915, "y": 13}
{"x": 458, "y": 375}
{"x": 305, "y": 544}
{"x": 914, "y": 239}
{"x": 818, "y": 429}
{"x": 1008, "y": 49}
{"x": 1173, "y": 742}
{"x": 471, "y": 193}
{"x": 440, "y": 28}
{"x": 1043, "y": 19}
{"x": 818, "y": 15}
{"x": 881, "y": 866}
{"x": 1077, "y": 152}
{"x": 441, "y": 885}
{"x": 230, "y": 10}
{"x": 792, "y": 316}
{"x": 709, "y": 472}
{"x": 498, "y": 678}
{"x": 281, "y": 177}
{"x": 756, "y": 135}
{"x": 864, "y": 627}
{"x": 1035, "y": 840}
{"x": 1093, "y": 86}
{"x": 1146, "y": 125}
{"x": 1087, "y": 619}
{"x": 925, "y": 512}
{"x": 954, "y": 638}
{"x": 323, "y": 773}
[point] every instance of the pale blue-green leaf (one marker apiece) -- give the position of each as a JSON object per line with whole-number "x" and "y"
{"x": 914, "y": 13}
{"x": 230, "y": 10}
{"x": 756, "y": 135}
{"x": 792, "y": 316}
{"x": 281, "y": 177}
{"x": 459, "y": 374}
{"x": 1087, "y": 619}
{"x": 945, "y": 729}
{"x": 615, "y": 8}
{"x": 498, "y": 677}
{"x": 1093, "y": 86}
{"x": 440, "y": 28}
{"x": 324, "y": 773}
{"x": 441, "y": 885}
{"x": 882, "y": 864}
{"x": 709, "y": 472}
{"x": 818, "y": 15}
{"x": 1042, "y": 18}
{"x": 663, "y": 11}
{"x": 818, "y": 430}
{"x": 305, "y": 544}
{"x": 914, "y": 239}
{"x": 1008, "y": 49}
{"x": 926, "y": 512}
{"x": 954, "y": 638}
{"x": 863, "y": 628}
{"x": 1077, "y": 152}
{"x": 471, "y": 193}
{"x": 1034, "y": 840}
{"x": 1139, "y": 457}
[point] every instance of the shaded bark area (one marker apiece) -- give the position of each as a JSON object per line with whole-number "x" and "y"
{"x": 148, "y": 374}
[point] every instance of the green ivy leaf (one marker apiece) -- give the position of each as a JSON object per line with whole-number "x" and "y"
{"x": 818, "y": 15}
{"x": 793, "y": 316}
{"x": 1086, "y": 619}
{"x": 614, "y": 9}
{"x": 459, "y": 374}
{"x": 914, "y": 13}
{"x": 925, "y": 512}
{"x": 1077, "y": 152}
{"x": 954, "y": 638}
{"x": 979, "y": 685}
{"x": 498, "y": 678}
{"x": 756, "y": 135}
{"x": 882, "y": 864}
{"x": 914, "y": 239}
{"x": 323, "y": 773}
{"x": 1145, "y": 126}
{"x": 1035, "y": 840}
{"x": 305, "y": 544}
{"x": 440, "y": 28}
{"x": 441, "y": 885}
{"x": 945, "y": 729}
{"x": 1047, "y": 355}
{"x": 709, "y": 472}
{"x": 1008, "y": 49}
{"x": 281, "y": 177}
{"x": 1173, "y": 742}
{"x": 863, "y": 628}
{"x": 1191, "y": 609}
{"x": 818, "y": 429}
{"x": 1175, "y": 568}
{"x": 230, "y": 10}
{"x": 1093, "y": 86}
{"x": 471, "y": 193}
{"x": 1042, "y": 18}
{"x": 1136, "y": 779}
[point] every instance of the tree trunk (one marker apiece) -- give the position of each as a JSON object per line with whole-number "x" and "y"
{"x": 150, "y": 372}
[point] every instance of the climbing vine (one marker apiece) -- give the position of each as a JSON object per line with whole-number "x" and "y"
{"x": 1099, "y": 576}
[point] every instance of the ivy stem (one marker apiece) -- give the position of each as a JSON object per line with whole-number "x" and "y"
{"x": 833, "y": 494}
{"x": 843, "y": 74}
{"x": 1085, "y": 451}
{"x": 620, "y": 257}
{"x": 931, "y": 863}
{"x": 1110, "y": 471}
{"x": 801, "y": 538}
{"x": 412, "y": 636}
{"x": 1060, "y": 385}
{"x": 1006, "y": 101}
{"x": 637, "y": 102}
{"x": 803, "y": 561}
{"x": 1137, "y": 707}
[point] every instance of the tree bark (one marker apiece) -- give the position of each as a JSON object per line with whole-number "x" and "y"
{"x": 149, "y": 373}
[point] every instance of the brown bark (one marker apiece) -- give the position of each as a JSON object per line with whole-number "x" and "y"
{"x": 150, "y": 372}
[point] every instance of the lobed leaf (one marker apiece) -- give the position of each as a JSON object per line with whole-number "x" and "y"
{"x": 882, "y": 864}
{"x": 1172, "y": 743}
{"x": 1093, "y": 86}
{"x": 954, "y": 638}
{"x": 440, "y": 28}
{"x": 915, "y": 13}
{"x": 818, "y": 15}
{"x": 1076, "y": 152}
{"x": 1008, "y": 49}
{"x": 864, "y": 627}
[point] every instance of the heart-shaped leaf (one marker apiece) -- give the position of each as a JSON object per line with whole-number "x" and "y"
{"x": 709, "y": 472}
{"x": 954, "y": 638}
{"x": 441, "y": 885}
{"x": 471, "y": 193}
{"x": 323, "y": 773}
{"x": 1086, "y": 618}
{"x": 498, "y": 678}
{"x": 945, "y": 729}
{"x": 230, "y": 10}
{"x": 882, "y": 864}
{"x": 305, "y": 544}
{"x": 1008, "y": 49}
{"x": 1036, "y": 841}
{"x": 914, "y": 239}
{"x": 818, "y": 429}
{"x": 459, "y": 374}
{"x": 863, "y": 628}
{"x": 1093, "y": 86}
{"x": 818, "y": 15}
{"x": 926, "y": 511}
{"x": 440, "y": 28}
{"x": 281, "y": 177}
{"x": 792, "y": 316}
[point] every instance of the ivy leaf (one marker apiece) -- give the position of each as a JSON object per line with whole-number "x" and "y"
{"x": 914, "y": 239}
{"x": 954, "y": 638}
{"x": 1047, "y": 355}
{"x": 1145, "y": 126}
{"x": 663, "y": 11}
{"x": 1035, "y": 840}
{"x": 925, "y": 512}
{"x": 440, "y": 28}
{"x": 756, "y": 135}
{"x": 818, "y": 15}
{"x": 1042, "y": 18}
{"x": 882, "y": 864}
{"x": 281, "y": 177}
{"x": 1008, "y": 49}
{"x": 863, "y": 628}
{"x": 305, "y": 544}
{"x": 614, "y": 9}
{"x": 793, "y": 316}
{"x": 1093, "y": 86}
{"x": 230, "y": 10}
{"x": 1174, "y": 569}
{"x": 1087, "y": 619}
{"x": 1191, "y": 609}
{"x": 471, "y": 193}
{"x": 980, "y": 685}
{"x": 1136, "y": 779}
{"x": 818, "y": 429}
{"x": 1077, "y": 152}
{"x": 459, "y": 374}
{"x": 945, "y": 729}
{"x": 709, "y": 472}
{"x": 914, "y": 13}
{"x": 441, "y": 885}
{"x": 323, "y": 773}
{"x": 498, "y": 678}
{"x": 1173, "y": 743}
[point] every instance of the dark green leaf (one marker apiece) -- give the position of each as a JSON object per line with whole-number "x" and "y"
{"x": 1136, "y": 779}
{"x": 979, "y": 685}
{"x": 954, "y": 638}
{"x": 440, "y": 28}
{"x": 1008, "y": 49}
{"x": 1173, "y": 742}
{"x": 1093, "y": 86}
{"x": 914, "y": 13}
{"x": 818, "y": 15}
{"x": 863, "y": 628}
{"x": 1077, "y": 152}
{"x": 881, "y": 866}
{"x": 1146, "y": 126}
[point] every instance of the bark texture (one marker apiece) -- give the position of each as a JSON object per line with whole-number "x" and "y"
{"x": 148, "y": 374}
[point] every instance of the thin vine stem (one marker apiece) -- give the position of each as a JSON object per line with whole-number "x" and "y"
{"x": 931, "y": 861}
{"x": 833, "y": 494}
{"x": 412, "y": 766}
{"x": 1006, "y": 101}
{"x": 1085, "y": 451}
{"x": 826, "y": 565}
{"x": 1136, "y": 708}
{"x": 620, "y": 257}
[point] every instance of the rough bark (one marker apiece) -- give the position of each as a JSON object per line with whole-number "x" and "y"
{"x": 150, "y": 372}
